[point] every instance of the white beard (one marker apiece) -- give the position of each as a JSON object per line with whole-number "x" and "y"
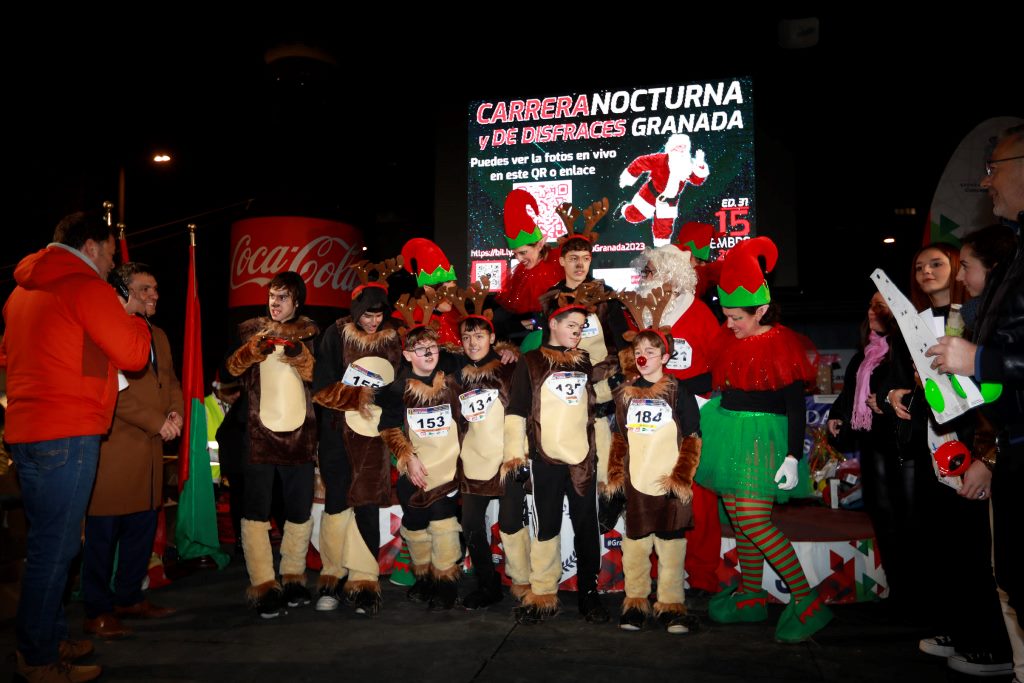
{"x": 680, "y": 168}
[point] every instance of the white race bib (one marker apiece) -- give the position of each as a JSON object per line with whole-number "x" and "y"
{"x": 592, "y": 328}
{"x": 358, "y": 376}
{"x": 476, "y": 403}
{"x": 568, "y": 386}
{"x": 647, "y": 415}
{"x": 430, "y": 423}
{"x": 683, "y": 355}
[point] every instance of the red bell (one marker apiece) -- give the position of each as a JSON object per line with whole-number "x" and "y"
{"x": 953, "y": 458}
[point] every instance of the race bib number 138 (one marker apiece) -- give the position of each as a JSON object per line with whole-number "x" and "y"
{"x": 570, "y": 387}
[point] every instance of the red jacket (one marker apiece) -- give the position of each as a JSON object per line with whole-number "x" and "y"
{"x": 66, "y": 336}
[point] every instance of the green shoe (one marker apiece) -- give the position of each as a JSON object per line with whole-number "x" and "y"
{"x": 801, "y": 620}
{"x": 731, "y": 608}
{"x": 401, "y": 572}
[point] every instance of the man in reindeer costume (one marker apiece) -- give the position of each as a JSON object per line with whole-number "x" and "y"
{"x": 486, "y": 383}
{"x": 420, "y": 424}
{"x": 275, "y": 363}
{"x": 552, "y": 403}
{"x": 669, "y": 173}
{"x": 357, "y": 356}
{"x": 655, "y": 452}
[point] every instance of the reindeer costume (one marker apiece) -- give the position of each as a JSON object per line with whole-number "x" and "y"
{"x": 602, "y": 338}
{"x": 352, "y": 364}
{"x": 421, "y": 419}
{"x": 486, "y": 474}
{"x": 275, "y": 363}
{"x": 552, "y": 403}
{"x": 654, "y": 455}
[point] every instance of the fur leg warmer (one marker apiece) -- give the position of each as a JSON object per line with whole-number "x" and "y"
{"x": 259, "y": 558}
{"x": 294, "y": 547}
{"x": 671, "y": 556}
{"x": 517, "y": 560}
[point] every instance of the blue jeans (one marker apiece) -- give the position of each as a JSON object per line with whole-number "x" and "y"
{"x": 56, "y": 481}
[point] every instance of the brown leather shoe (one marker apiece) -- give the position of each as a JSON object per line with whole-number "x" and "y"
{"x": 73, "y": 650}
{"x": 107, "y": 626}
{"x": 57, "y": 672}
{"x": 144, "y": 610}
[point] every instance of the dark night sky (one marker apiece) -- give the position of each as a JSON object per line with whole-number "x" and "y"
{"x": 846, "y": 131}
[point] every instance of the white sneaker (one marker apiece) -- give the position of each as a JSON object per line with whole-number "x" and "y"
{"x": 979, "y": 664}
{"x": 940, "y": 646}
{"x": 327, "y": 602}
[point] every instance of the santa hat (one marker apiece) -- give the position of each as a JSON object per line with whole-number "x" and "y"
{"x": 520, "y": 227}
{"x": 432, "y": 266}
{"x": 742, "y": 282}
{"x": 696, "y": 239}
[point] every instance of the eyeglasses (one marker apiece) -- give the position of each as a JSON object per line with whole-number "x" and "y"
{"x": 422, "y": 351}
{"x": 990, "y": 162}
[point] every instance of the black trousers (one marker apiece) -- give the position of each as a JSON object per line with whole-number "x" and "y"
{"x": 131, "y": 538}
{"x": 296, "y": 489}
{"x": 551, "y": 485}
{"x": 418, "y": 519}
{"x": 510, "y": 520}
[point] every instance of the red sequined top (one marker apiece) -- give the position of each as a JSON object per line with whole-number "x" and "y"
{"x": 522, "y": 290}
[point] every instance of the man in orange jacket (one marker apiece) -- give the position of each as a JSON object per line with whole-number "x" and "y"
{"x": 66, "y": 336}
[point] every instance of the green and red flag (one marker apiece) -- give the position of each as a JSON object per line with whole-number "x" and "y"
{"x": 196, "y": 532}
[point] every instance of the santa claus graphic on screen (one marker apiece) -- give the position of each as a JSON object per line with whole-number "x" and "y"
{"x": 669, "y": 172}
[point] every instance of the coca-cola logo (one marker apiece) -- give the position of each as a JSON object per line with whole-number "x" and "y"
{"x": 323, "y": 262}
{"x": 321, "y": 251}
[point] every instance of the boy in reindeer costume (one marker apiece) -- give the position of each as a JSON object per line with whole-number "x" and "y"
{"x": 486, "y": 382}
{"x": 655, "y": 452}
{"x": 425, "y": 402}
{"x": 694, "y": 329}
{"x": 357, "y": 355}
{"x": 275, "y": 363}
{"x": 552, "y": 403}
{"x": 601, "y": 337}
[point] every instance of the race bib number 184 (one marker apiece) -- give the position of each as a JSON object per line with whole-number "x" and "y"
{"x": 647, "y": 415}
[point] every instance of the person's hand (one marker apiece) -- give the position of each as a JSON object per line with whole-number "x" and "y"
{"x": 977, "y": 482}
{"x": 528, "y": 324}
{"x": 417, "y": 473}
{"x": 872, "y": 402}
{"x": 626, "y": 179}
{"x": 953, "y": 355}
{"x": 833, "y": 426}
{"x": 507, "y": 356}
{"x": 787, "y": 472}
{"x": 895, "y": 399}
{"x": 177, "y": 419}
{"x": 698, "y": 158}
{"x": 169, "y": 430}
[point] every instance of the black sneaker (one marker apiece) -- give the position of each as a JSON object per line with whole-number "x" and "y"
{"x": 446, "y": 594}
{"x": 270, "y": 603}
{"x": 486, "y": 594}
{"x": 940, "y": 646}
{"x": 531, "y": 615}
{"x": 422, "y": 590}
{"x": 591, "y": 608}
{"x": 980, "y": 664}
{"x": 296, "y": 595}
{"x": 678, "y": 624}
{"x": 367, "y": 602}
{"x": 632, "y": 619}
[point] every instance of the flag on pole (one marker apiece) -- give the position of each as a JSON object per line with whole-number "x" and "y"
{"x": 196, "y": 532}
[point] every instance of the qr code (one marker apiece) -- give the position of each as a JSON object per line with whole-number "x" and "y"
{"x": 493, "y": 270}
{"x": 549, "y": 195}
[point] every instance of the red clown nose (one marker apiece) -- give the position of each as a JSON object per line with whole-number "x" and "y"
{"x": 641, "y": 360}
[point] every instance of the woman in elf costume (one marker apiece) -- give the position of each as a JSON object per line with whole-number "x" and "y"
{"x": 754, "y": 440}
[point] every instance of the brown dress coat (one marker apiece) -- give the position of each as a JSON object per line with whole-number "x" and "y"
{"x": 130, "y": 477}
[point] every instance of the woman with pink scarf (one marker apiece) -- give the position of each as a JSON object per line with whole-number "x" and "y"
{"x": 857, "y": 424}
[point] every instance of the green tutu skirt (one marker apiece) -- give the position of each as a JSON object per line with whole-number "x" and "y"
{"x": 742, "y": 452}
